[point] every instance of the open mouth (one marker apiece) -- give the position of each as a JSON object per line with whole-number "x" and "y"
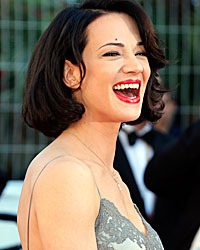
{"x": 128, "y": 91}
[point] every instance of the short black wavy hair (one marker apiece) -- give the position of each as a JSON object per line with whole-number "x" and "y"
{"x": 48, "y": 104}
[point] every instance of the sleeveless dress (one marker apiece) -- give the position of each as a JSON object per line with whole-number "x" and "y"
{"x": 113, "y": 230}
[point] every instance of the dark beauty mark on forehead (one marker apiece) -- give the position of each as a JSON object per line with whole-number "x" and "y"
{"x": 118, "y": 44}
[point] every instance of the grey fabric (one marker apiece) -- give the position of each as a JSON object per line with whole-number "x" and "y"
{"x": 116, "y": 232}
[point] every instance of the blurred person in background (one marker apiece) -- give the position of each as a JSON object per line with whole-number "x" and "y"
{"x": 135, "y": 147}
{"x": 173, "y": 174}
{"x": 166, "y": 123}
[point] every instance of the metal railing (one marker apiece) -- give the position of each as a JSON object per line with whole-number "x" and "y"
{"x": 21, "y": 22}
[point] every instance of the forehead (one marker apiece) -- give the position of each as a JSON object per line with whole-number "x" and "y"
{"x": 112, "y": 27}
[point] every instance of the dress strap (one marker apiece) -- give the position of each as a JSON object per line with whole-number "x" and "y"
{"x": 98, "y": 191}
{"x": 92, "y": 175}
{"x": 96, "y": 185}
{"x": 30, "y": 203}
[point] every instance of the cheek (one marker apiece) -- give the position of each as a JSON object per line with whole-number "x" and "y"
{"x": 146, "y": 72}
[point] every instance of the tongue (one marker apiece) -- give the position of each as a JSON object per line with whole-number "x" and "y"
{"x": 126, "y": 92}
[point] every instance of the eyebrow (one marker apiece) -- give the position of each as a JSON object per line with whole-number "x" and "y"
{"x": 118, "y": 44}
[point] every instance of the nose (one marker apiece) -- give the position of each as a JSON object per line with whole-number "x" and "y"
{"x": 133, "y": 65}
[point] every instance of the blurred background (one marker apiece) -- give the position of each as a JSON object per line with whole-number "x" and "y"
{"x": 21, "y": 23}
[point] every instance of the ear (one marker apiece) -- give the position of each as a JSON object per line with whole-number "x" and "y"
{"x": 71, "y": 75}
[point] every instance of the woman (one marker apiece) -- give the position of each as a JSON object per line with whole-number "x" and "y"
{"x": 90, "y": 71}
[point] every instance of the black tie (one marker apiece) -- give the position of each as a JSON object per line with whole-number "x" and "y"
{"x": 148, "y": 137}
{"x": 132, "y": 137}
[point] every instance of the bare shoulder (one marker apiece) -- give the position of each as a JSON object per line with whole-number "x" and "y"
{"x": 66, "y": 201}
{"x": 66, "y": 175}
{"x": 60, "y": 166}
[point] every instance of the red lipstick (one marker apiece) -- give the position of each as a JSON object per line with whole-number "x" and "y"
{"x": 129, "y": 95}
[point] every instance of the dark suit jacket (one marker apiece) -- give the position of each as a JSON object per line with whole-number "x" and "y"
{"x": 3, "y": 181}
{"x": 174, "y": 175}
{"x": 121, "y": 164}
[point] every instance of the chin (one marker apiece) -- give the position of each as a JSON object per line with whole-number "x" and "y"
{"x": 132, "y": 118}
{"x": 128, "y": 114}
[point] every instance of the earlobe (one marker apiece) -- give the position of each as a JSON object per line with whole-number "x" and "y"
{"x": 71, "y": 75}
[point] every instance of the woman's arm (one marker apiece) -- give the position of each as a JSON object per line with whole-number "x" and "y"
{"x": 66, "y": 204}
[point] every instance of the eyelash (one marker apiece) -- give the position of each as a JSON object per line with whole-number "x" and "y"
{"x": 141, "y": 54}
{"x": 111, "y": 54}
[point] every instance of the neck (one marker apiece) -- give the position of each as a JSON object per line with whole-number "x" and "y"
{"x": 99, "y": 137}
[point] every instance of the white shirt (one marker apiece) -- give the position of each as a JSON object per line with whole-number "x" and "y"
{"x": 196, "y": 241}
{"x": 138, "y": 156}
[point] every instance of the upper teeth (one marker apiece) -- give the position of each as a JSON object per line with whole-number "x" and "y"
{"x": 127, "y": 86}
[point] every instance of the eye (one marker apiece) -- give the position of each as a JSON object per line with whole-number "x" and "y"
{"x": 141, "y": 54}
{"x": 111, "y": 54}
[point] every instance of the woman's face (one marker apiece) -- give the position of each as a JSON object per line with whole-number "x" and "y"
{"x": 117, "y": 70}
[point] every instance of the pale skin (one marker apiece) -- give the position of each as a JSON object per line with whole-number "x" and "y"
{"x": 66, "y": 201}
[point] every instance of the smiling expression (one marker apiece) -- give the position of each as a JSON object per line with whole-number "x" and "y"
{"x": 117, "y": 70}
